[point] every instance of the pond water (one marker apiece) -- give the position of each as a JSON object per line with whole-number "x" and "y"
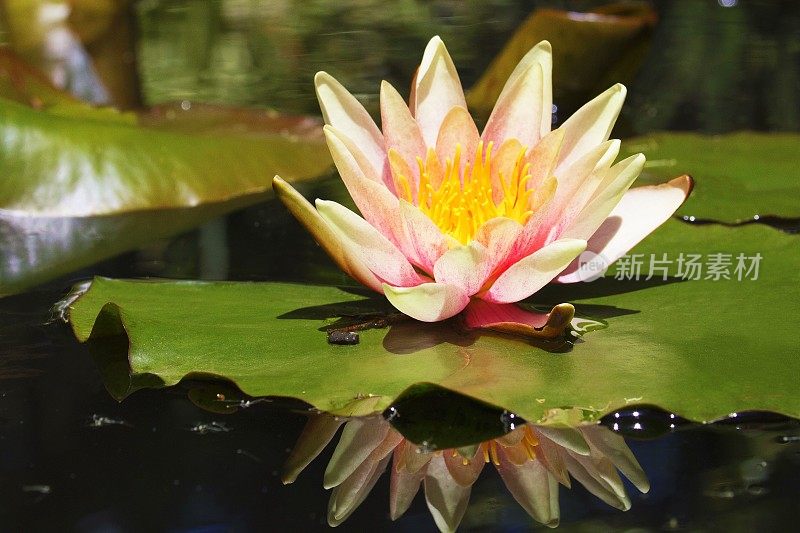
{"x": 73, "y": 458}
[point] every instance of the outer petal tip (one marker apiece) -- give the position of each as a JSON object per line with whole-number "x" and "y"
{"x": 685, "y": 183}
{"x": 427, "y": 302}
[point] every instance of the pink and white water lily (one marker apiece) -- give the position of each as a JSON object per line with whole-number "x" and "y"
{"x": 454, "y": 219}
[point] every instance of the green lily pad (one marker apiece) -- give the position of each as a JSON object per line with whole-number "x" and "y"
{"x": 700, "y": 348}
{"x": 738, "y": 176}
{"x": 82, "y": 184}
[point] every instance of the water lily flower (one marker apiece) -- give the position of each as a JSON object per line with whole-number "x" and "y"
{"x": 532, "y": 461}
{"x": 453, "y": 219}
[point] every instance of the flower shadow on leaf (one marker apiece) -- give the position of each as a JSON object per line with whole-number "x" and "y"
{"x": 407, "y": 336}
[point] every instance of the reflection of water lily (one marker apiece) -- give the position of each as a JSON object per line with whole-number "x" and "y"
{"x": 532, "y": 460}
{"x": 452, "y": 216}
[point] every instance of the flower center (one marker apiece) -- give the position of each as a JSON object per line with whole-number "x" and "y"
{"x": 460, "y": 202}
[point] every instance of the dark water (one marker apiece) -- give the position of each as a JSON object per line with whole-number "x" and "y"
{"x": 73, "y": 459}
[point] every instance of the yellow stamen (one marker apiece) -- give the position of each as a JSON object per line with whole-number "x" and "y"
{"x": 460, "y": 202}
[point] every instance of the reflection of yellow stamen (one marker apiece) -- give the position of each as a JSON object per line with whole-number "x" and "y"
{"x": 493, "y": 453}
{"x": 530, "y": 437}
{"x": 531, "y": 442}
{"x": 460, "y": 201}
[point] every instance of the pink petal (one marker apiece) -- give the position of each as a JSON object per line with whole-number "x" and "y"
{"x": 591, "y": 124}
{"x": 411, "y": 459}
{"x": 376, "y": 203}
{"x": 464, "y": 474}
{"x": 317, "y": 433}
{"x": 541, "y": 55}
{"x": 436, "y": 91}
{"x": 466, "y": 267}
{"x": 640, "y": 211}
{"x": 530, "y": 274}
{"x": 400, "y": 130}
{"x": 457, "y": 128}
{"x": 361, "y": 436}
{"x": 512, "y": 438}
{"x": 504, "y": 157}
{"x": 372, "y": 249}
{"x": 341, "y": 110}
{"x": 428, "y": 302}
{"x": 544, "y": 156}
{"x": 510, "y": 318}
{"x": 499, "y": 236}
{"x": 534, "y": 488}
{"x": 341, "y": 251}
{"x": 403, "y": 486}
{"x": 447, "y": 500}
{"x": 574, "y": 188}
{"x": 518, "y": 112}
{"x": 424, "y": 242}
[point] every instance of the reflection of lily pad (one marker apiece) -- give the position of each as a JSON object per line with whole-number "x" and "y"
{"x": 737, "y": 176}
{"x": 698, "y": 348}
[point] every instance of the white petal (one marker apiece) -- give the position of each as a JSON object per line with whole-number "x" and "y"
{"x": 613, "y": 446}
{"x": 359, "y": 439}
{"x": 437, "y": 90}
{"x": 541, "y": 54}
{"x": 534, "y": 488}
{"x": 341, "y": 110}
{"x": 466, "y": 267}
{"x": 533, "y": 272}
{"x": 518, "y": 112}
{"x": 403, "y": 486}
{"x": 615, "y": 181}
{"x": 349, "y": 495}
{"x": 447, "y": 500}
{"x": 373, "y": 249}
{"x": 595, "y": 485}
{"x": 341, "y": 251}
{"x": 569, "y": 438}
{"x": 317, "y": 433}
{"x": 640, "y": 211}
{"x": 428, "y": 302}
{"x": 591, "y": 124}
{"x": 376, "y": 203}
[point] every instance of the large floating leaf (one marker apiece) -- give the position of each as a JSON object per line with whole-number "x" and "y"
{"x": 69, "y": 166}
{"x": 615, "y": 37}
{"x": 737, "y": 176}
{"x": 701, "y": 348}
{"x": 81, "y": 184}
